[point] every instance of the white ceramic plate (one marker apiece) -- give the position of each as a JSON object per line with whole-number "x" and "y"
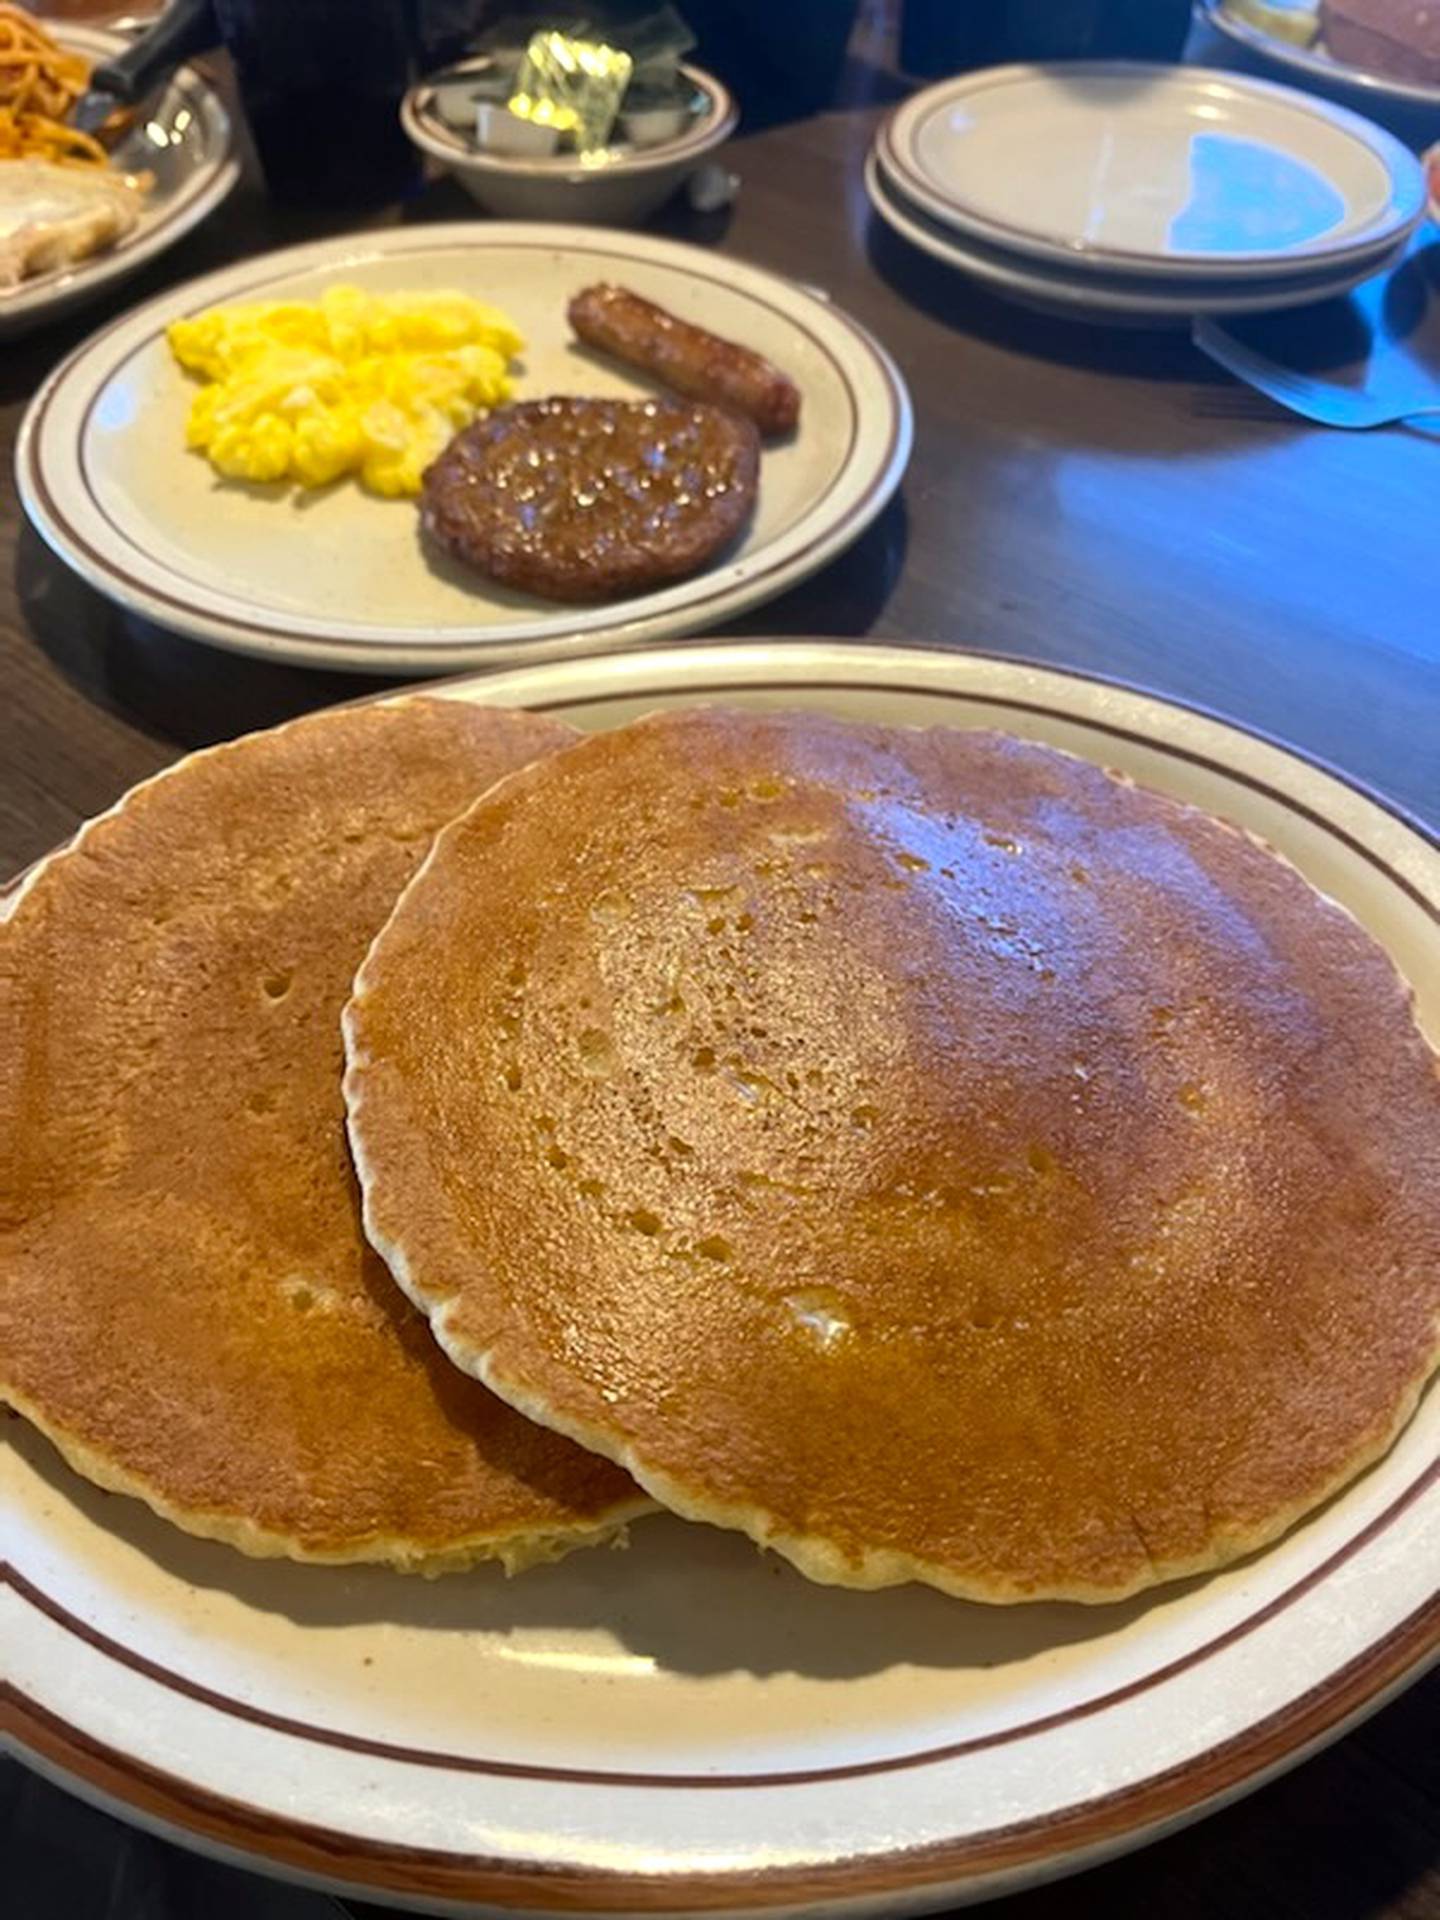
{"x": 1315, "y": 64}
{"x": 339, "y": 578}
{"x": 1152, "y": 169}
{"x": 1100, "y": 299}
{"x": 187, "y": 143}
{"x": 688, "y": 1725}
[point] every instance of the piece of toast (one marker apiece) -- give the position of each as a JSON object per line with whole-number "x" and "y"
{"x": 51, "y": 215}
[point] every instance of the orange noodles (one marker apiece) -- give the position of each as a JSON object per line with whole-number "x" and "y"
{"x": 40, "y": 81}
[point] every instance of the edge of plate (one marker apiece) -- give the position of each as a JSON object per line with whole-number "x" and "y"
{"x": 1269, "y": 46}
{"x": 873, "y": 650}
{"x": 961, "y": 1872}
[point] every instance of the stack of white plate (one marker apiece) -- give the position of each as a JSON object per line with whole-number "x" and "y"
{"x": 1118, "y": 191}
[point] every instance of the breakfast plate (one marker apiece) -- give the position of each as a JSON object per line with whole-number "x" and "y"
{"x": 1316, "y": 65}
{"x": 1163, "y": 171}
{"x": 339, "y": 578}
{"x": 187, "y": 142}
{"x": 688, "y": 1725}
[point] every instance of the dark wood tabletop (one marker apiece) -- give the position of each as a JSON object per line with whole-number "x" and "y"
{"x": 1104, "y": 499}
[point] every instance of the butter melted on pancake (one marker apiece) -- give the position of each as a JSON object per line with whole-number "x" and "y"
{"x": 922, "y": 1150}
{"x": 188, "y": 1306}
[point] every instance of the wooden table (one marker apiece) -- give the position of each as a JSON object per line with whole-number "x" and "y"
{"x": 1105, "y": 500}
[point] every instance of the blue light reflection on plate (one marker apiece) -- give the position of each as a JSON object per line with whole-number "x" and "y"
{"x": 1248, "y": 197}
{"x": 116, "y": 409}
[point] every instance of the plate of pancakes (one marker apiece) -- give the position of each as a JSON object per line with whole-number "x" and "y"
{"x": 937, "y": 1158}
{"x": 335, "y": 575}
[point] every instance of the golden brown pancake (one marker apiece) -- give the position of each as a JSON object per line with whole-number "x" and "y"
{"x": 188, "y": 1306}
{"x": 924, "y": 1151}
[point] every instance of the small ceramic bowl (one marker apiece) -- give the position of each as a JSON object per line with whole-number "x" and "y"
{"x": 623, "y": 190}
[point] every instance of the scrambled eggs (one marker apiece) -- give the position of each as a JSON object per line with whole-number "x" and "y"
{"x": 371, "y": 384}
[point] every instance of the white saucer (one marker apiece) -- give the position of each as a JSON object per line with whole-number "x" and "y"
{"x": 1166, "y": 172}
{"x": 1102, "y": 299}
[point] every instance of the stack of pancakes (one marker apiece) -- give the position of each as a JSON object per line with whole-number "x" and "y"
{"x": 922, "y": 1151}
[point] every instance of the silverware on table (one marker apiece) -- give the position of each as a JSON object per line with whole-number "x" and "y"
{"x": 1319, "y": 400}
{"x": 186, "y": 27}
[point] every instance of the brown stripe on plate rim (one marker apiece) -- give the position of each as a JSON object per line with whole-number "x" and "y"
{"x": 461, "y": 1763}
{"x": 1109, "y": 1821}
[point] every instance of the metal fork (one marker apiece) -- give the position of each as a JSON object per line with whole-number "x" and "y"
{"x": 1318, "y": 400}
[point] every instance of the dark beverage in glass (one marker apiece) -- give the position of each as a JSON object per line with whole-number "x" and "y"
{"x": 322, "y": 81}
{"x": 949, "y": 36}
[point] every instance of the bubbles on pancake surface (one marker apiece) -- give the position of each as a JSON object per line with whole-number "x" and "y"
{"x": 597, "y": 1053}
{"x": 820, "y": 1313}
{"x": 306, "y": 1296}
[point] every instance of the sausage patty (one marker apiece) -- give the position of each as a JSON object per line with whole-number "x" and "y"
{"x": 579, "y": 499}
{"x": 686, "y": 357}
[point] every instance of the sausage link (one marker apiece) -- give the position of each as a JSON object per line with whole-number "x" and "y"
{"x": 686, "y": 358}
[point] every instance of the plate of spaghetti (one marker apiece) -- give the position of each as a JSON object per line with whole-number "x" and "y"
{"x": 80, "y": 211}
